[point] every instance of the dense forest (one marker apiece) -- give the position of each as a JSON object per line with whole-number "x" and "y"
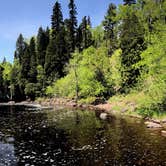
{"x": 124, "y": 58}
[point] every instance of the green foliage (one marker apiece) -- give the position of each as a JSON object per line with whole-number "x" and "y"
{"x": 154, "y": 78}
{"x": 91, "y": 67}
{"x": 97, "y": 36}
{"x": 30, "y": 90}
{"x": 132, "y": 44}
{"x": 115, "y": 67}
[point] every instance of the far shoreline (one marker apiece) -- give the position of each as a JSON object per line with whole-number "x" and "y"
{"x": 51, "y": 103}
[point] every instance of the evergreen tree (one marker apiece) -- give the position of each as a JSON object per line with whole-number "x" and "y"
{"x": 79, "y": 38}
{"x": 129, "y": 2}
{"x": 20, "y": 48}
{"x": 57, "y": 18}
{"x": 109, "y": 27}
{"x": 86, "y": 34}
{"x": 25, "y": 65}
{"x": 132, "y": 43}
{"x": 4, "y": 60}
{"x": 42, "y": 43}
{"x": 56, "y": 50}
{"x": 72, "y": 25}
{"x": 1, "y": 83}
{"x": 33, "y": 64}
{"x": 50, "y": 65}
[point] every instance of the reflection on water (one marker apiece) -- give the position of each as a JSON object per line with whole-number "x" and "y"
{"x": 66, "y": 137}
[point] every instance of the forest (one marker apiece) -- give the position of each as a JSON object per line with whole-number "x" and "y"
{"x": 122, "y": 59}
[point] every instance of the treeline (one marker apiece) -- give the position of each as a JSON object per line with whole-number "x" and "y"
{"x": 41, "y": 60}
{"x": 124, "y": 56}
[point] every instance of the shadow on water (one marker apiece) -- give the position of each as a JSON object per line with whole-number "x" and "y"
{"x": 81, "y": 138}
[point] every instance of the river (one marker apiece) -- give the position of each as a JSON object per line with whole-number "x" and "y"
{"x": 66, "y": 137}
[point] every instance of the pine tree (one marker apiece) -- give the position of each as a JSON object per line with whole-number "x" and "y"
{"x": 42, "y": 43}
{"x": 33, "y": 64}
{"x": 20, "y": 48}
{"x": 1, "y": 83}
{"x": 72, "y": 25}
{"x": 50, "y": 65}
{"x": 86, "y": 35}
{"x": 56, "y": 50}
{"x": 57, "y": 19}
{"x": 4, "y": 60}
{"x": 129, "y": 2}
{"x": 109, "y": 27}
{"x": 25, "y": 65}
{"x": 79, "y": 38}
{"x": 132, "y": 43}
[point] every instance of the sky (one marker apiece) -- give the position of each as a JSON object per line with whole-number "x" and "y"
{"x": 18, "y": 16}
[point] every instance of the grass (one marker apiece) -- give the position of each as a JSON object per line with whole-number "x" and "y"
{"x": 137, "y": 103}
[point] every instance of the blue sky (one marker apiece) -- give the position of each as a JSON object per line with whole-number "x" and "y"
{"x": 18, "y": 16}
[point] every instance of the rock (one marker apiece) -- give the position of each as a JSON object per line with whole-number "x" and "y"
{"x": 156, "y": 121}
{"x": 11, "y": 102}
{"x": 124, "y": 110}
{"x": 80, "y": 105}
{"x": 153, "y": 125}
{"x": 163, "y": 133}
{"x": 103, "y": 116}
{"x": 163, "y": 121}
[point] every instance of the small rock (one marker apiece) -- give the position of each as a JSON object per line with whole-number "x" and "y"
{"x": 124, "y": 110}
{"x": 11, "y": 102}
{"x": 163, "y": 132}
{"x": 153, "y": 125}
{"x": 163, "y": 121}
{"x": 156, "y": 121}
{"x": 103, "y": 116}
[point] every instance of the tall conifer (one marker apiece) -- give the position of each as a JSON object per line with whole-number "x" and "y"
{"x": 72, "y": 26}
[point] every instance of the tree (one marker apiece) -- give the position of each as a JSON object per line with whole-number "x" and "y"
{"x": 56, "y": 56}
{"x": 129, "y": 2}
{"x": 1, "y": 83}
{"x": 15, "y": 81}
{"x": 20, "y": 48}
{"x": 109, "y": 27}
{"x": 32, "y": 74}
{"x": 72, "y": 25}
{"x": 25, "y": 63}
{"x": 132, "y": 44}
{"x": 57, "y": 18}
{"x": 42, "y": 43}
{"x": 84, "y": 33}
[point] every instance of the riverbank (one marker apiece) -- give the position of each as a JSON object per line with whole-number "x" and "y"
{"x": 127, "y": 109}
{"x": 115, "y": 108}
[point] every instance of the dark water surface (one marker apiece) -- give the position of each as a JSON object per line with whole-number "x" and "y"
{"x": 76, "y": 138}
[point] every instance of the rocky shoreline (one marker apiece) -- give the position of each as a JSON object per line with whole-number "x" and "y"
{"x": 105, "y": 108}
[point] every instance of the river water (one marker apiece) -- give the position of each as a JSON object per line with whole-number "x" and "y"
{"x": 63, "y": 137}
